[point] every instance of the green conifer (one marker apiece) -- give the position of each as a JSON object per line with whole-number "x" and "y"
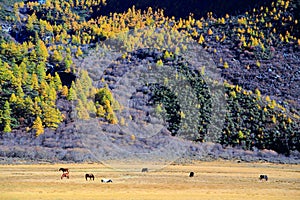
{"x": 38, "y": 126}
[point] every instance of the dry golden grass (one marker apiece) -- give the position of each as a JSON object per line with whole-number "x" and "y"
{"x": 213, "y": 180}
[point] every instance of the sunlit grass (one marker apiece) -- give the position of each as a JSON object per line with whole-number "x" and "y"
{"x": 213, "y": 180}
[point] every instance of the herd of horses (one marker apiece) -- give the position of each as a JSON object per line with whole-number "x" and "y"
{"x": 65, "y": 173}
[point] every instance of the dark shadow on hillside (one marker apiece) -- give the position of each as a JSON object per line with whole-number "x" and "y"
{"x": 179, "y": 8}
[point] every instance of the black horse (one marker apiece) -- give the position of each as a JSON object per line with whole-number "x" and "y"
{"x": 64, "y": 170}
{"x": 145, "y": 170}
{"x": 192, "y": 174}
{"x": 91, "y": 176}
{"x": 263, "y": 176}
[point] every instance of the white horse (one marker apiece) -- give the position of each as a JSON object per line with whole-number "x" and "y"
{"x": 104, "y": 180}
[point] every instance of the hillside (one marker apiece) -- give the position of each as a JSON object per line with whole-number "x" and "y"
{"x": 80, "y": 81}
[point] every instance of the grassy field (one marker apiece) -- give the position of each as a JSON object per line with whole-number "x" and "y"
{"x": 212, "y": 180}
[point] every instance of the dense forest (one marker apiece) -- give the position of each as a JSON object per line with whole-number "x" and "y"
{"x": 42, "y": 84}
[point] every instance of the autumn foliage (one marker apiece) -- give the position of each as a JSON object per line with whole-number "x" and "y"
{"x": 46, "y": 38}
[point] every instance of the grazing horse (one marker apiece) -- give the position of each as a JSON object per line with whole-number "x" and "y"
{"x": 91, "y": 176}
{"x": 65, "y": 175}
{"x": 64, "y": 170}
{"x": 192, "y": 174}
{"x": 106, "y": 180}
{"x": 145, "y": 170}
{"x": 263, "y": 176}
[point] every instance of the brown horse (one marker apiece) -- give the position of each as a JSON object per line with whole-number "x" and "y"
{"x": 65, "y": 175}
{"x": 64, "y": 170}
{"x": 91, "y": 176}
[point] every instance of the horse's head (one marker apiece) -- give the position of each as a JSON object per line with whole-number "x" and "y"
{"x": 64, "y": 169}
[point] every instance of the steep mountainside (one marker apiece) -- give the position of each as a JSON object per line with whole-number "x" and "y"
{"x": 81, "y": 81}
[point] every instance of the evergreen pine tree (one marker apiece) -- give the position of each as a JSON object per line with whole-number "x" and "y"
{"x": 57, "y": 82}
{"x": 7, "y": 128}
{"x": 28, "y": 104}
{"x": 33, "y": 56}
{"x": 57, "y": 57}
{"x": 68, "y": 62}
{"x": 36, "y": 106}
{"x": 43, "y": 89}
{"x": 91, "y": 107}
{"x": 5, "y": 72}
{"x": 86, "y": 82}
{"x": 111, "y": 117}
{"x": 38, "y": 126}
{"x": 29, "y": 24}
{"x": 17, "y": 74}
{"x": 52, "y": 95}
{"x": 100, "y": 111}
{"x": 13, "y": 98}
{"x": 41, "y": 71}
{"x": 102, "y": 95}
{"x": 81, "y": 91}
{"x": 51, "y": 115}
{"x": 20, "y": 92}
{"x": 6, "y": 117}
{"x": 34, "y": 82}
{"x": 72, "y": 95}
{"x": 78, "y": 52}
{"x": 64, "y": 91}
{"x": 82, "y": 112}
{"x": 41, "y": 51}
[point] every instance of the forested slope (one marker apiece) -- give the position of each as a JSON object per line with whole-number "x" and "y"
{"x": 45, "y": 87}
